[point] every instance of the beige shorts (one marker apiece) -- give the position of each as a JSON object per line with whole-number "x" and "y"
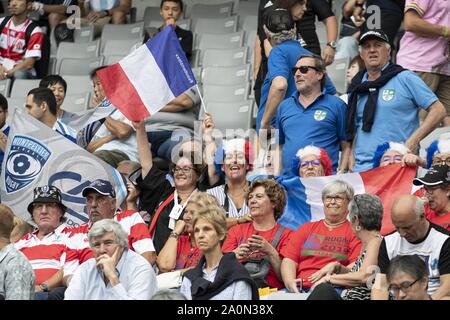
{"x": 440, "y": 85}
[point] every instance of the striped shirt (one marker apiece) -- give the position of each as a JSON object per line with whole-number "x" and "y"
{"x": 79, "y": 251}
{"x": 47, "y": 255}
{"x": 65, "y": 130}
{"x": 232, "y": 211}
{"x": 99, "y": 5}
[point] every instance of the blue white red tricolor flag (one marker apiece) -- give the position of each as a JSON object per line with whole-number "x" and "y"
{"x": 305, "y": 195}
{"x": 146, "y": 80}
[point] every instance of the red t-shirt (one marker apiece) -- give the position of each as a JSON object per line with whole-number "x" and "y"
{"x": 313, "y": 246}
{"x": 442, "y": 220}
{"x": 187, "y": 256}
{"x": 241, "y": 232}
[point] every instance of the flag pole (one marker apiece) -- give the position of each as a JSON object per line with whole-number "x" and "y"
{"x": 201, "y": 98}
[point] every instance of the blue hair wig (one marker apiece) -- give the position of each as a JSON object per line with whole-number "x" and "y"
{"x": 381, "y": 149}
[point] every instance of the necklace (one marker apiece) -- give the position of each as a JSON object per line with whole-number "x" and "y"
{"x": 331, "y": 226}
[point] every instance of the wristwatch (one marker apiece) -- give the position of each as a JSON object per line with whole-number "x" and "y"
{"x": 174, "y": 235}
{"x": 43, "y": 287}
{"x": 332, "y": 44}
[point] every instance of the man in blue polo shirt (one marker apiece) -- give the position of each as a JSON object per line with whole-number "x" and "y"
{"x": 4, "y": 128}
{"x": 312, "y": 117}
{"x": 384, "y": 102}
{"x": 279, "y": 82}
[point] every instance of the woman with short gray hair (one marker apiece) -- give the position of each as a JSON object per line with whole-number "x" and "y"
{"x": 365, "y": 215}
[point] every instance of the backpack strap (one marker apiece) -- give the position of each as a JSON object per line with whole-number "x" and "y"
{"x": 276, "y": 239}
{"x": 158, "y": 212}
{"x": 29, "y": 31}
{"x": 4, "y": 22}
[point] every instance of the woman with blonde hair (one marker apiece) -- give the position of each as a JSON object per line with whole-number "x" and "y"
{"x": 180, "y": 251}
{"x": 217, "y": 276}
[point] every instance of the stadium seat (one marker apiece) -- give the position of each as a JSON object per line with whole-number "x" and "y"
{"x": 76, "y": 103}
{"x": 152, "y": 14}
{"x": 78, "y": 85}
{"x": 109, "y": 60}
{"x": 79, "y": 67}
{"x": 197, "y": 74}
{"x": 216, "y": 26}
{"x": 231, "y": 116}
{"x": 84, "y": 34}
{"x": 226, "y": 75}
{"x": 138, "y": 8}
{"x": 220, "y": 41}
{"x": 122, "y": 32}
{"x": 15, "y": 103}
{"x": 246, "y": 8}
{"x": 337, "y": 73}
{"x": 21, "y": 87}
{"x": 249, "y": 23}
{"x": 220, "y": 93}
{"x": 211, "y": 10}
{"x": 5, "y": 86}
{"x": 224, "y": 57}
{"x": 120, "y": 47}
{"x": 189, "y": 4}
{"x": 76, "y": 51}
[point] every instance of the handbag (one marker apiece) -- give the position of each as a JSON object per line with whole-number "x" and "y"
{"x": 259, "y": 268}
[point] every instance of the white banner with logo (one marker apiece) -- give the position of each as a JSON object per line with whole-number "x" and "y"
{"x": 36, "y": 156}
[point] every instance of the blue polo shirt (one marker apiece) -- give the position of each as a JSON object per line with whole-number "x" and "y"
{"x": 321, "y": 124}
{"x": 396, "y": 117}
{"x": 282, "y": 59}
{"x": 5, "y": 130}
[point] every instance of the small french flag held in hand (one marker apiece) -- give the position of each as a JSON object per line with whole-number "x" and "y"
{"x": 146, "y": 80}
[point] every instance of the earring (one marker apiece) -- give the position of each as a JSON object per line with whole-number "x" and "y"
{"x": 358, "y": 228}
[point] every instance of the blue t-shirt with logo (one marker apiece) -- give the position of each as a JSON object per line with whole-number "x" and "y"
{"x": 396, "y": 116}
{"x": 321, "y": 124}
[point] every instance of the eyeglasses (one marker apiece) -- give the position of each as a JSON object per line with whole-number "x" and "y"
{"x": 314, "y": 163}
{"x": 337, "y": 199}
{"x": 397, "y": 158}
{"x": 437, "y": 161}
{"x": 303, "y": 69}
{"x": 404, "y": 287}
{"x": 430, "y": 189}
{"x": 186, "y": 170}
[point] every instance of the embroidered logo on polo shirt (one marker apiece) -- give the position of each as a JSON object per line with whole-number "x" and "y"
{"x": 319, "y": 115}
{"x": 388, "y": 94}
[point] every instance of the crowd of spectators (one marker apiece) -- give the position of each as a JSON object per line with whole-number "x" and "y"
{"x": 206, "y": 211}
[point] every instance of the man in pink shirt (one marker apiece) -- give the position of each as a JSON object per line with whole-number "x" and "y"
{"x": 425, "y": 46}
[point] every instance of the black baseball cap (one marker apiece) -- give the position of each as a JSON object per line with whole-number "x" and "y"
{"x": 278, "y": 20}
{"x": 373, "y": 34}
{"x": 436, "y": 175}
{"x": 46, "y": 194}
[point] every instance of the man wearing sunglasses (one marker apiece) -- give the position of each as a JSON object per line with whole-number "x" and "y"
{"x": 415, "y": 235}
{"x": 310, "y": 116}
{"x": 279, "y": 82}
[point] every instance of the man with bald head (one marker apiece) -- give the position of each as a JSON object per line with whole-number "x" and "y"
{"x": 415, "y": 235}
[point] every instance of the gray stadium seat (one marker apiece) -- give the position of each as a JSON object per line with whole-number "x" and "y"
{"x": 76, "y": 103}
{"x": 337, "y": 71}
{"x": 78, "y": 85}
{"x": 247, "y": 8}
{"x": 211, "y": 10}
{"x": 232, "y": 116}
{"x": 138, "y": 8}
{"x": 220, "y": 93}
{"x": 84, "y": 34}
{"x": 220, "y": 41}
{"x": 21, "y": 87}
{"x": 217, "y": 26}
{"x": 122, "y": 32}
{"x": 152, "y": 14}
{"x": 109, "y": 60}
{"x": 76, "y": 51}
{"x": 226, "y": 75}
{"x": 197, "y": 73}
{"x": 15, "y": 103}
{"x": 79, "y": 67}
{"x": 249, "y": 23}
{"x": 119, "y": 47}
{"x": 224, "y": 57}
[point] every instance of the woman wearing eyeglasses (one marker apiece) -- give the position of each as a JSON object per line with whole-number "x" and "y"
{"x": 408, "y": 278}
{"x": 316, "y": 244}
{"x": 312, "y": 161}
{"x": 365, "y": 215}
{"x": 165, "y": 203}
{"x": 395, "y": 152}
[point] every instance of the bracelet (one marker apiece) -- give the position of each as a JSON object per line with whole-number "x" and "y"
{"x": 445, "y": 32}
{"x": 174, "y": 235}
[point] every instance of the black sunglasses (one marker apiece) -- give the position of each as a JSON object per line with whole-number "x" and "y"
{"x": 303, "y": 69}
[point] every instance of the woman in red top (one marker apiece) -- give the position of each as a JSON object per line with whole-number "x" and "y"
{"x": 180, "y": 251}
{"x": 315, "y": 244}
{"x": 252, "y": 240}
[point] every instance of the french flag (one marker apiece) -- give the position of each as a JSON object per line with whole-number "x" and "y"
{"x": 146, "y": 80}
{"x": 305, "y": 195}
